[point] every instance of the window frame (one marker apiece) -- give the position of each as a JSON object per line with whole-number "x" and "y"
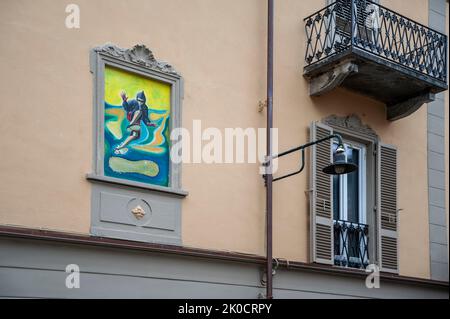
{"x": 362, "y": 202}
{"x": 351, "y": 128}
{"x": 362, "y": 187}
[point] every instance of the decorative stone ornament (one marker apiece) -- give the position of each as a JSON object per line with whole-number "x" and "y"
{"x": 138, "y": 54}
{"x": 138, "y": 212}
{"x": 351, "y": 123}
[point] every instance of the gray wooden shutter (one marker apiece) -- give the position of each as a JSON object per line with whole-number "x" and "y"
{"x": 343, "y": 10}
{"x": 321, "y": 200}
{"x": 387, "y": 208}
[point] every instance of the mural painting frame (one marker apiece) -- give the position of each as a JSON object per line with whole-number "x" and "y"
{"x": 141, "y": 62}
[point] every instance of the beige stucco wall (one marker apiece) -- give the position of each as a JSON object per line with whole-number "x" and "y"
{"x": 219, "y": 48}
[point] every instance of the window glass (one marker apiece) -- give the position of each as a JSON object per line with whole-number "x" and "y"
{"x": 350, "y": 237}
{"x": 347, "y": 189}
{"x": 353, "y": 187}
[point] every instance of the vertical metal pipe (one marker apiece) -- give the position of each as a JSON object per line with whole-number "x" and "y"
{"x": 269, "y": 176}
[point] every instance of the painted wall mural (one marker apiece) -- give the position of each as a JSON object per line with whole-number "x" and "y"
{"x": 136, "y": 131}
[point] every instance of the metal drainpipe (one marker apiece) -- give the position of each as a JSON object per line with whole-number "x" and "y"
{"x": 269, "y": 177}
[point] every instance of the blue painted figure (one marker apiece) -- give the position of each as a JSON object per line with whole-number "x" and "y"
{"x": 137, "y": 111}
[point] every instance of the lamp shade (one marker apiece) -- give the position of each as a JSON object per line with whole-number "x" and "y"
{"x": 340, "y": 165}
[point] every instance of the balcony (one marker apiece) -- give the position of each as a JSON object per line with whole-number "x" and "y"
{"x": 367, "y": 48}
{"x": 351, "y": 244}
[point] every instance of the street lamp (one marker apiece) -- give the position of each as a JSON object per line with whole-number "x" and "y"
{"x": 338, "y": 167}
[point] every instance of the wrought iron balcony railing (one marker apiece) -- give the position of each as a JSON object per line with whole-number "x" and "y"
{"x": 346, "y": 25}
{"x": 351, "y": 244}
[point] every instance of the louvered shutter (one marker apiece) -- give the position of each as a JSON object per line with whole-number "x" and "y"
{"x": 343, "y": 9}
{"x": 343, "y": 17}
{"x": 387, "y": 208}
{"x": 321, "y": 200}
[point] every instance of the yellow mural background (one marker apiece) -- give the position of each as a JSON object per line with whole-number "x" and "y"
{"x": 157, "y": 93}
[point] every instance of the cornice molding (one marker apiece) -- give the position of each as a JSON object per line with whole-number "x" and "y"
{"x": 139, "y": 54}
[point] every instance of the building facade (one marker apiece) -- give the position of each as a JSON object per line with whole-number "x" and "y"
{"x": 73, "y": 196}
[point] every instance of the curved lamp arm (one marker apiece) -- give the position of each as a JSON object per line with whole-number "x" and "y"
{"x": 302, "y": 148}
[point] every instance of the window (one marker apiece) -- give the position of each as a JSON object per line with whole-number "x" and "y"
{"x": 367, "y": 20}
{"x": 354, "y": 216}
{"x": 349, "y": 211}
